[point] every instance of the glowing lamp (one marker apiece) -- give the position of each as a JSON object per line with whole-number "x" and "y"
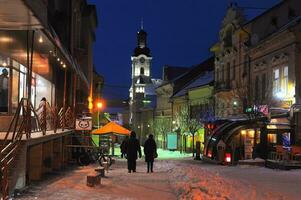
{"x": 228, "y": 158}
{"x": 90, "y": 106}
{"x": 41, "y": 39}
{"x": 99, "y": 105}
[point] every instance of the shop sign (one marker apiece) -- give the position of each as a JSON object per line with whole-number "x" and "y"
{"x": 83, "y": 124}
{"x": 258, "y": 109}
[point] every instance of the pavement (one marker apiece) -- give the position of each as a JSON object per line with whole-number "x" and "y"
{"x": 173, "y": 179}
{"x": 118, "y": 184}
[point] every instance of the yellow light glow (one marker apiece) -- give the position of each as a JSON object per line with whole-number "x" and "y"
{"x": 41, "y": 39}
{"x": 6, "y": 39}
{"x": 58, "y": 59}
{"x": 271, "y": 126}
{"x": 64, "y": 65}
{"x": 251, "y": 133}
{"x": 4, "y": 64}
{"x": 99, "y": 105}
{"x": 243, "y": 132}
{"x": 90, "y": 106}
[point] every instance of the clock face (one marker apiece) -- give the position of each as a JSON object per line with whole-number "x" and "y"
{"x": 142, "y": 60}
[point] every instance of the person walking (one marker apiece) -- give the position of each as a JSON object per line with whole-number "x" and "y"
{"x": 150, "y": 152}
{"x": 123, "y": 147}
{"x": 133, "y": 148}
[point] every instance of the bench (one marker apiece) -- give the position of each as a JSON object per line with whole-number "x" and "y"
{"x": 93, "y": 179}
{"x": 101, "y": 170}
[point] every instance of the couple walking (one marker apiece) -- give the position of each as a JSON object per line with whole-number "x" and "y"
{"x": 131, "y": 148}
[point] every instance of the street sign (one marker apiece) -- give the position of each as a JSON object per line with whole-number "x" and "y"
{"x": 83, "y": 124}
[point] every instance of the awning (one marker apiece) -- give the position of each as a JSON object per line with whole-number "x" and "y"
{"x": 111, "y": 128}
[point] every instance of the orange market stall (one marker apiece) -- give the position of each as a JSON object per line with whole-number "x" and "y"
{"x": 112, "y": 128}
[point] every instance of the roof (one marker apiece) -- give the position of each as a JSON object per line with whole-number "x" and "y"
{"x": 181, "y": 81}
{"x": 111, "y": 128}
{"x": 203, "y": 79}
{"x": 172, "y": 72}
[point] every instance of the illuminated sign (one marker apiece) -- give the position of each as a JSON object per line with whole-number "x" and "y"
{"x": 84, "y": 124}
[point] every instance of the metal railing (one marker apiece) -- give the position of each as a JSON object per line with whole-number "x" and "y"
{"x": 23, "y": 123}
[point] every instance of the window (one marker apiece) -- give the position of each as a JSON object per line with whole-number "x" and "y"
{"x": 272, "y": 138}
{"x": 228, "y": 73}
{"x": 222, "y": 74}
{"x": 263, "y": 87}
{"x": 285, "y": 80}
{"x": 276, "y": 81}
{"x": 233, "y": 70}
{"x": 142, "y": 70}
{"x": 256, "y": 89}
{"x": 4, "y": 88}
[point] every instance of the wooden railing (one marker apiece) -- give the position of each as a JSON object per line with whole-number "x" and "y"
{"x": 24, "y": 122}
{"x": 66, "y": 118}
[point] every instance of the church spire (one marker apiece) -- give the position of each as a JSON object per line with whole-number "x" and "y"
{"x": 141, "y": 25}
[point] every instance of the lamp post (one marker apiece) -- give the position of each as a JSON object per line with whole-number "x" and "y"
{"x": 99, "y": 106}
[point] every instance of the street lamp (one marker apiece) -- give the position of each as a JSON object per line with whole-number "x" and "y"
{"x": 99, "y": 106}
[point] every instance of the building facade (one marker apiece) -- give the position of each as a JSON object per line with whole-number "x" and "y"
{"x": 38, "y": 60}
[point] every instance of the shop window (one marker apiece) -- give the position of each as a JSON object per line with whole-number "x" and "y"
{"x": 4, "y": 88}
{"x": 43, "y": 89}
{"x": 272, "y": 138}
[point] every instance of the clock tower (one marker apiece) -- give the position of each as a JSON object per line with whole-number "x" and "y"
{"x": 141, "y": 77}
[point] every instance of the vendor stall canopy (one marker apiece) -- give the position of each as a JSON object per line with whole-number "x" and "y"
{"x": 112, "y": 128}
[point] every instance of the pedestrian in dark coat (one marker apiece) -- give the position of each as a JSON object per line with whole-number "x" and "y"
{"x": 133, "y": 148}
{"x": 150, "y": 152}
{"x": 124, "y": 146}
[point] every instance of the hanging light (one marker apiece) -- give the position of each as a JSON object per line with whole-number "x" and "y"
{"x": 4, "y": 64}
{"x": 41, "y": 39}
{"x": 64, "y": 65}
{"x": 58, "y": 59}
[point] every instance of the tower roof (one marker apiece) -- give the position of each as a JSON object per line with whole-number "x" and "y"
{"x": 142, "y": 43}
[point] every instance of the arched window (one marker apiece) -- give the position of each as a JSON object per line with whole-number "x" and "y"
{"x": 142, "y": 70}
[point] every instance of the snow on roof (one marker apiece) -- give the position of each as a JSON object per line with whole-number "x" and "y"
{"x": 203, "y": 79}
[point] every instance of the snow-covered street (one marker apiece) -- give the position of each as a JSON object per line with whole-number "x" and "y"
{"x": 173, "y": 179}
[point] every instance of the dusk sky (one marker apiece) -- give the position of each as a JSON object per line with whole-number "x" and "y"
{"x": 180, "y": 33}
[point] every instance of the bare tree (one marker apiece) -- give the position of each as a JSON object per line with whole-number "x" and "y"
{"x": 162, "y": 127}
{"x": 187, "y": 124}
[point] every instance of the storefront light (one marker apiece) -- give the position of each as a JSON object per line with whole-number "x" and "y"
{"x": 5, "y": 39}
{"x": 4, "y": 64}
{"x": 280, "y": 95}
{"x": 243, "y": 132}
{"x": 58, "y": 59}
{"x": 41, "y": 39}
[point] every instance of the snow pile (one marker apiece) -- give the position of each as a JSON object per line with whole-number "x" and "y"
{"x": 193, "y": 182}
